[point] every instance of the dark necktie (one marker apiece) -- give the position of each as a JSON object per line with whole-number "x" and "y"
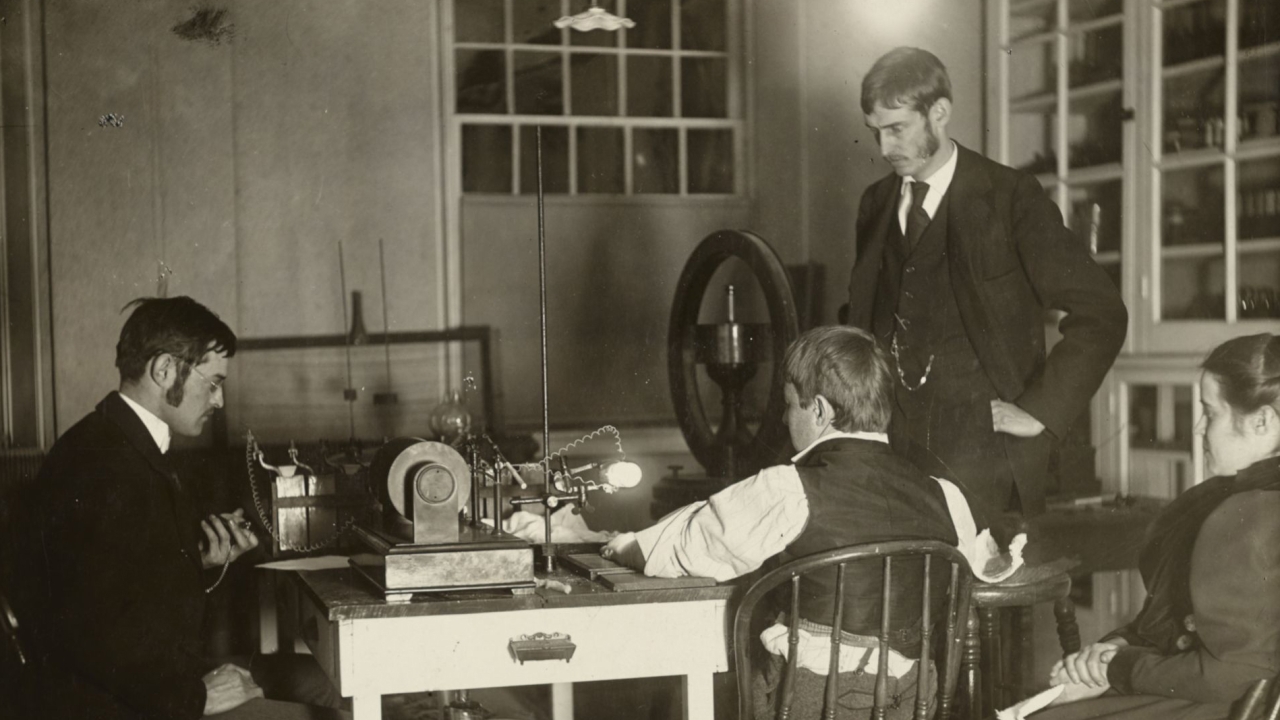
{"x": 917, "y": 218}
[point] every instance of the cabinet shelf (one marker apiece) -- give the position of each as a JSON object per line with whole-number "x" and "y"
{"x": 1208, "y": 250}
{"x": 1253, "y": 149}
{"x": 1258, "y": 148}
{"x": 1038, "y": 103}
{"x": 1258, "y": 52}
{"x": 1193, "y": 66}
{"x": 1095, "y": 173}
{"x": 1258, "y": 245}
{"x": 1095, "y": 23}
{"x": 1186, "y": 159}
{"x": 1190, "y": 252}
{"x": 1094, "y": 91}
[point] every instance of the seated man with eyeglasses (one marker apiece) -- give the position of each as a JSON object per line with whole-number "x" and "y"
{"x": 120, "y": 564}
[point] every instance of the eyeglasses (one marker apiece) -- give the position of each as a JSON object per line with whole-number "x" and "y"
{"x": 215, "y": 386}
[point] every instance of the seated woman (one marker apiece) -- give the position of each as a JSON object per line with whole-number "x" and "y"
{"x": 1211, "y": 623}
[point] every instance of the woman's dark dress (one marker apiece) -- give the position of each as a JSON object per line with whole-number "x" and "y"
{"x": 1211, "y": 623}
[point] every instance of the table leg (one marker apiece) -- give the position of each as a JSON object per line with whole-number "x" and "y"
{"x": 268, "y": 609}
{"x": 366, "y": 707}
{"x": 699, "y": 700}
{"x": 562, "y": 701}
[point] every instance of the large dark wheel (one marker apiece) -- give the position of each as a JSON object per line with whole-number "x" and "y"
{"x": 726, "y": 351}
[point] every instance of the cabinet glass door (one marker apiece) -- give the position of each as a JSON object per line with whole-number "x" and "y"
{"x": 1062, "y": 111}
{"x": 1216, "y": 179}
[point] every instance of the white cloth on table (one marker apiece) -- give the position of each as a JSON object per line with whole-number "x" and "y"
{"x": 1036, "y": 702}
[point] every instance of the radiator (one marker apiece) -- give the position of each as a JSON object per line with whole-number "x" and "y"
{"x": 19, "y": 466}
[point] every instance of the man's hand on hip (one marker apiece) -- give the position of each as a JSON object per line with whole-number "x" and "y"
{"x": 1013, "y": 420}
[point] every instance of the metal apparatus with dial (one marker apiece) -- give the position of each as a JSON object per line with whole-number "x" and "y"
{"x": 428, "y": 540}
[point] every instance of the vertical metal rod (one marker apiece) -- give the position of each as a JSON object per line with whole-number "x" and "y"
{"x": 542, "y": 311}
{"x": 476, "y": 486}
{"x": 497, "y": 496}
{"x": 386, "y": 323}
{"x": 346, "y": 344}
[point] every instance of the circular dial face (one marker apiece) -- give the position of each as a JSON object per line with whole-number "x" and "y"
{"x": 434, "y": 484}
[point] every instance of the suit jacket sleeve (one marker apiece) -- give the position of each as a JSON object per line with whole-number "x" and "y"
{"x": 1235, "y": 580}
{"x": 1064, "y": 277}
{"x": 112, "y": 629}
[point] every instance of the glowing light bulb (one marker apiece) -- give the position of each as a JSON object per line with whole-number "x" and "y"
{"x": 622, "y": 474}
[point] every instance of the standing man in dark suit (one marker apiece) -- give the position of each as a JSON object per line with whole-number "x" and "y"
{"x": 120, "y": 563}
{"x": 957, "y": 259}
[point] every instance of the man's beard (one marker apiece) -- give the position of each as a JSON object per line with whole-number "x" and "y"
{"x": 931, "y": 142}
{"x": 174, "y": 395}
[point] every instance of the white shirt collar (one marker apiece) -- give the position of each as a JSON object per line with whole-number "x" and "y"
{"x": 158, "y": 428}
{"x": 874, "y": 436}
{"x": 939, "y": 182}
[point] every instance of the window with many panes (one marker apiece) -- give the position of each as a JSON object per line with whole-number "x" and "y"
{"x": 653, "y": 109}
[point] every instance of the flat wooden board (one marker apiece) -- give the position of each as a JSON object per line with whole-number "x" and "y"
{"x": 630, "y": 581}
{"x": 593, "y": 566}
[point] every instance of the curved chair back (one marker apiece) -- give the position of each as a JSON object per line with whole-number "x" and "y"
{"x": 887, "y": 554}
{"x": 1261, "y": 702}
{"x": 15, "y": 661}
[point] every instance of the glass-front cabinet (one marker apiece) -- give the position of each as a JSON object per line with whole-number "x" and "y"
{"x": 1214, "y": 205}
{"x": 1060, "y": 110}
{"x": 1155, "y": 126}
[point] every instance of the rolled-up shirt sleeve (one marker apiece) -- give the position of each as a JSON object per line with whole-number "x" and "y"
{"x": 733, "y": 532}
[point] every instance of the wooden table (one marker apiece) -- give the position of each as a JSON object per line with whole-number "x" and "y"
{"x": 452, "y": 641}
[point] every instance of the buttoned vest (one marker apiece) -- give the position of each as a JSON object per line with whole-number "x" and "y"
{"x": 861, "y": 491}
{"x": 916, "y": 305}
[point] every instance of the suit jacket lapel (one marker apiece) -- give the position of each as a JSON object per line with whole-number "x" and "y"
{"x": 969, "y": 219}
{"x": 970, "y": 230}
{"x": 118, "y": 412}
{"x": 868, "y": 276}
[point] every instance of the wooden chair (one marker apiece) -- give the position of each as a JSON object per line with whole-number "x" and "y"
{"x": 1262, "y": 702}
{"x": 887, "y": 554}
{"x": 15, "y": 661}
{"x": 995, "y": 676}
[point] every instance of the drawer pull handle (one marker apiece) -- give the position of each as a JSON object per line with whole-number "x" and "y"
{"x": 541, "y": 646}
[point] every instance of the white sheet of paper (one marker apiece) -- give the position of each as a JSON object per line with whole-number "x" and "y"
{"x": 321, "y": 562}
{"x": 1036, "y": 702}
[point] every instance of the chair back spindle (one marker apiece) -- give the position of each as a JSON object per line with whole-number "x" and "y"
{"x": 946, "y": 654}
{"x": 881, "y": 707}
{"x": 793, "y": 650}
{"x": 952, "y": 640}
{"x": 833, "y": 668}
{"x": 926, "y": 641}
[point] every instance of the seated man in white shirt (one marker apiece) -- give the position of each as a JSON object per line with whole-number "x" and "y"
{"x": 845, "y": 486}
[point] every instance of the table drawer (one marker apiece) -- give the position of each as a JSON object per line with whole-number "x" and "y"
{"x": 392, "y": 655}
